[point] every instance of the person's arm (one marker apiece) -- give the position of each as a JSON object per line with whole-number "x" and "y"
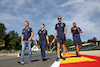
{"x": 80, "y": 31}
{"x": 55, "y": 34}
{"x": 30, "y": 37}
{"x": 65, "y": 30}
{"x": 47, "y": 39}
{"x": 22, "y": 38}
{"x": 37, "y": 37}
{"x": 52, "y": 41}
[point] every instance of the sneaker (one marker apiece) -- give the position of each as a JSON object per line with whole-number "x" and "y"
{"x": 64, "y": 58}
{"x": 29, "y": 61}
{"x": 79, "y": 55}
{"x": 43, "y": 59}
{"x": 21, "y": 62}
{"x": 58, "y": 59}
{"x": 76, "y": 54}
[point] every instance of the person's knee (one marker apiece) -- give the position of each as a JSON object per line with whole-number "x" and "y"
{"x": 58, "y": 47}
{"x": 80, "y": 47}
{"x": 63, "y": 45}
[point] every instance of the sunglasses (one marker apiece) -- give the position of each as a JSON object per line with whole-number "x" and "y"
{"x": 59, "y": 18}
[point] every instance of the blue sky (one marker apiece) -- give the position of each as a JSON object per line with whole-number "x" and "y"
{"x": 86, "y": 13}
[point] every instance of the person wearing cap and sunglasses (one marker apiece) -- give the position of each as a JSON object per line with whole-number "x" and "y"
{"x": 26, "y": 40}
{"x": 60, "y": 31}
{"x": 43, "y": 37}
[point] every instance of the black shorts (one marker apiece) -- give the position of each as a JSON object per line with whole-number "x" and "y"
{"x": 60, "y": 38}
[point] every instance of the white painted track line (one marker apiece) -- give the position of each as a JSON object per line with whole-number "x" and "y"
{"x": 55, "y": 64}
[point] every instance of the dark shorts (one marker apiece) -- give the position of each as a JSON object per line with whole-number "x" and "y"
{"x": 60, "y": 38}
{"x": 77, "y": 40}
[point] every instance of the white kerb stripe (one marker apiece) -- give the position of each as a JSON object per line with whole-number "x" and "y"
{"x": 55, "y": 64}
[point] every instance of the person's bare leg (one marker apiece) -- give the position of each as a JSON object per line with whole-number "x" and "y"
{"x": 80, "y": 48}
{"x": 58, "y": 50}
{"x": 77, "y": 48}
{"x": 63, "y": 45}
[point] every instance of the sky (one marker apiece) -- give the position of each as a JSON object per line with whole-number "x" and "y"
{"x": 86, "y": 13}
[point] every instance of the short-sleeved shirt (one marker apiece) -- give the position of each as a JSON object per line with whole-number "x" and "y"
{"x": 76, "y": 32}
{"x": 42, "y": 34}
{"x": 60, "y": 29}
{"x": 26, "y": 33}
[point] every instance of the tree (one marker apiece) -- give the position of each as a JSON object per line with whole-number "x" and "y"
{"x": 69, "y": 43}
{"x": 2, "y": 34}
{"x": 13, "y": 41}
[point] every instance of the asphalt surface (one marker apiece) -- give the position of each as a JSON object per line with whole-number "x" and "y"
{"x": 36, "y": 61}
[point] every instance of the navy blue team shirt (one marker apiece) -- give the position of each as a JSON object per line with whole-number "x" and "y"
{"x": 26, "y": 33}
{"x": 42, "y": 34}
{"x": 60, "y": 28}
{"x": 76, "y": 32}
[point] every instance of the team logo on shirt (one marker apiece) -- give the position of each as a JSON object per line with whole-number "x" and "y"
{"x": 28, "y": 29}
{"x": 57, "y": 25}
{"x": 61, "y": 24}
{"x": 44, "y": 31}
{"x": 40, "y": 32}
{"x": 23, "y": 31}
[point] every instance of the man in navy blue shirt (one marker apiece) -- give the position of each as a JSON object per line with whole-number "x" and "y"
{"x": 43, "y": 37}
{"x": 26, "y": 40}
{"x": 60, "y": 31}
{"x": 76, "y": 37}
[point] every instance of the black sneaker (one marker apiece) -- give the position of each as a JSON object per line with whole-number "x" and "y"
{"x": 58, "y": 59}
{"x": 79, "y": 55}
{"x": 43, "y": 59}
{"x": 64, "y": 58}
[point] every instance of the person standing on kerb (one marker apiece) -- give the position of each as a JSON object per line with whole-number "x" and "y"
{"x": 26, "y": 40}
{"x": 60, "y": 31}
{"x": 76, "y": 37}
{"x": 43, "y": 37}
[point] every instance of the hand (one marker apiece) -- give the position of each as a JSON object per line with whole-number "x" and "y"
{"x": 55, "y": 37}
{"x": 65, "y": 32}
{"x": 74, "y": 29}
{"x": 48, "y": 42}
{"x": 29, "y": 39}
{"x": 35, "y": 40}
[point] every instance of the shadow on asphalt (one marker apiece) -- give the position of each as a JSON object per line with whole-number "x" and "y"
{"x": 47, "y": 59}
{"x": 32, "y": 61}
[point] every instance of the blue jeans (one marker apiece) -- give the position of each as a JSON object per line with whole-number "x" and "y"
{"x": 24, "y": 44}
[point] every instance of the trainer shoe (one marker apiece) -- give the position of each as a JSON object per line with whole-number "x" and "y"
{"x": 79, "y": 55}
{"x": 21, "y": 62}
{"x": 43, "y": 59}
{"x": 58, "y": 59}
{"x": 64, "y": 58}
{"x": 29, "y": 61}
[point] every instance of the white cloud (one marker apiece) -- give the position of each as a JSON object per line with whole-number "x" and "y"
{"x": 37, "y": 12}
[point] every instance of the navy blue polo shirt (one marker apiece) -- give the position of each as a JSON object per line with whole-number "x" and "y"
{"x": 26, "y": 33}
{"x": 42, "y": 34}
{"x": 60, "y": 28}
{"x": 76, "y": 31}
